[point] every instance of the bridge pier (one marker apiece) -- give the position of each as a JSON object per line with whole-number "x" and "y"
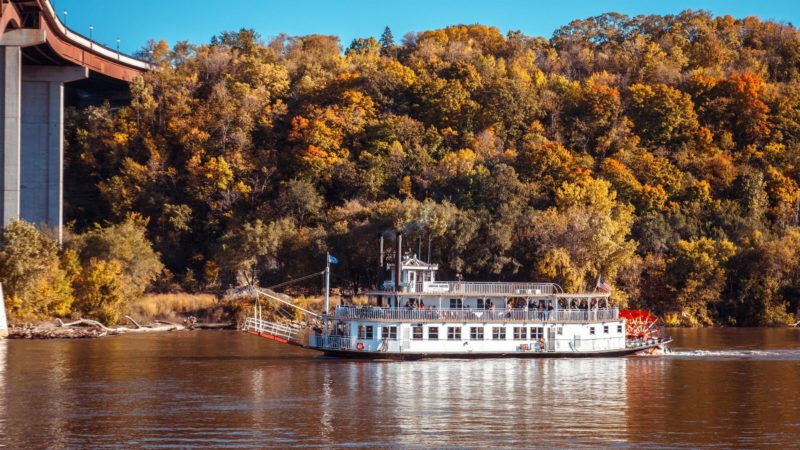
{"x": 42, "y": 142}
{"x": 11, "y": 43}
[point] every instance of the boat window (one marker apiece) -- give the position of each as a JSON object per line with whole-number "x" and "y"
{"x": 365, "y": 332}
{"x": 416, "y": 333}
{"x": 476, "y": 333}
{"x": 560, "y": 331}
{"x": 619, "y": 329}
{"x": 537, "y": 332}
{"x": 453, "y": 333}
{"x": 389, "y": 332}
{"x": 605, "y": 329}
{"x": 499, "y": 333}
{"x": 455, "y": 303}
{"x": 520, "y": 333}
{"x": 433, "y": 333}
{"x": 591, "y": 330}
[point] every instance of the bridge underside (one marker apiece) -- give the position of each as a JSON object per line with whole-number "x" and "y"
{"x": 39, "y": 56}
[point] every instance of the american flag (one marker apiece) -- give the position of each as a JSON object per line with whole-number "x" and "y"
{"x": 601, "y": 284}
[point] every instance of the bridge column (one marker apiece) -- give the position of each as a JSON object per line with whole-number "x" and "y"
{"x": 42, "y": 142}
{"x": 11, "y": 43}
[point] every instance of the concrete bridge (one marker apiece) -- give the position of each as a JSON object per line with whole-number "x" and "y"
{"x": 38, "y": 56}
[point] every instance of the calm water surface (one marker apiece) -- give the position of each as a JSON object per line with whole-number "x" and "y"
{"x": 225, "y": 389}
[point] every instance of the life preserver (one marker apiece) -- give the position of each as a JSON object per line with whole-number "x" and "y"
{"x": 360, "y": 346}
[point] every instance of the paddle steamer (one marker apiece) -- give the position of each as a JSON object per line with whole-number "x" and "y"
{"x": 413, "y": 315}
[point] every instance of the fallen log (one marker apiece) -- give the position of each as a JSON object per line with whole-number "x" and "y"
{"x": 135, "y": 324}
{"x": 50, "y": 331}
{"x": 90, "y": 322}
{"x": 85, "y": 328}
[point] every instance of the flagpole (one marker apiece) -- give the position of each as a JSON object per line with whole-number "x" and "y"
{"x": 327, "y": 292}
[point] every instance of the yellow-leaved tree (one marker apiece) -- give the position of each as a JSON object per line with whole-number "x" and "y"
{"x": 585, "y": 235}
{"x": 34, "y": 282}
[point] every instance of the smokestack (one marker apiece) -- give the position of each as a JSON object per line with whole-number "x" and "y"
{"x": 381, "y": 263}
{"x": 398, "y": 262}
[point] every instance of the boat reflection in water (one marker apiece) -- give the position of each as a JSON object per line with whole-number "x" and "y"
{"x": 461, "y": 402}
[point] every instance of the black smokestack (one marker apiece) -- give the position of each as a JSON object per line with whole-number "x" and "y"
{"x": 381, "y": 265}
{"x": 398, "y": 261}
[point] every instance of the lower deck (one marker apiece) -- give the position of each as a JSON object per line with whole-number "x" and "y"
{"x": 472, "y": 337}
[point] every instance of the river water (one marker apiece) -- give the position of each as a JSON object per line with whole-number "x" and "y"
{"x": 215, "y": 389}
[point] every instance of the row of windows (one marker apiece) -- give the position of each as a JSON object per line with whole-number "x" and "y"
{"x": 475, "y": 333}
{"x": 367, "y": 332}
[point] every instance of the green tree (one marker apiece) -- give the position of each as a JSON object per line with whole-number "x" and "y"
{"x": 248, "y": 251}
{"x": 127, "y": 244}
{"x": 387, "y": 42}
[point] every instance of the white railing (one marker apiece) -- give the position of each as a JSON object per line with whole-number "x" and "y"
{"x": 477, "y": 288}
{"x": 278, "y": 330}
{"x": 473, "y": 315}
{"x": 332, "y": 342}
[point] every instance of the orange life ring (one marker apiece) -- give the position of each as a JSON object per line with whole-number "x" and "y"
{"x": 360, "y": 346}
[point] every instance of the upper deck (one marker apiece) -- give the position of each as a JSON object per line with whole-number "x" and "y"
{"x": 457, "y": 315}
{"x": 471, "y": 289}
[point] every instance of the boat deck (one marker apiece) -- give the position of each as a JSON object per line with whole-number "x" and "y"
{"x": 377, "y": 314}
{"x": 472, "y": 289}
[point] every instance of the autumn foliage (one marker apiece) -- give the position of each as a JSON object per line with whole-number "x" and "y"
{"x": 660, "y": 151}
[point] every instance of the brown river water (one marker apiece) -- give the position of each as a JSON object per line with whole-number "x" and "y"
{"x": 224, "y": 389}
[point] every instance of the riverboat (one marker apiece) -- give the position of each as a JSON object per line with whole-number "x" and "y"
{"x": 413, "y": 315}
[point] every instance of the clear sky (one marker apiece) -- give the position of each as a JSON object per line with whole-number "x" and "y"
{"x": 136, "y": 21}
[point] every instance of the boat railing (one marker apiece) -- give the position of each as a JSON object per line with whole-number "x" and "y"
{"x": 477, "y": 288}
{"x": 472, "y": 314}
{"x": 337, "y": 342}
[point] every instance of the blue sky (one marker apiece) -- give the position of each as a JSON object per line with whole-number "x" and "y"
{"x": 136, "y": 21}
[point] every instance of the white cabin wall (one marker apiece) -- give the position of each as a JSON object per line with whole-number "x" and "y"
{"x": 564, "y": 342}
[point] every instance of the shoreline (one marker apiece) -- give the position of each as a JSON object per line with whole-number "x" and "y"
{"x": 90, "y": 329}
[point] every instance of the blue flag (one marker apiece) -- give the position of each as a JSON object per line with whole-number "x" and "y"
{"x": 332, "y": 259}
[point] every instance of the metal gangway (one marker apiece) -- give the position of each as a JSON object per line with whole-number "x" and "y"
{"x": 287, "y": 334}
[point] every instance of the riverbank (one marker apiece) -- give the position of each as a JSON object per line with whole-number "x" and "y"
{"x": 163, "y": 313}
{"x": 87, "y": 328}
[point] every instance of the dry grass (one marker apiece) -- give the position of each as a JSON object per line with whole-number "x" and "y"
{"x": 178, "y": 306}
{"x": 170, "y": 306}
{"x": 316, "y": 303}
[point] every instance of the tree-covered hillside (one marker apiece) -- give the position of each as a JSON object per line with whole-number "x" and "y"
{"x": 662, "y": 152}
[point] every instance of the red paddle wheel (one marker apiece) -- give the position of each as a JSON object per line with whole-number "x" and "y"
{"x": 640, "y": 325}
